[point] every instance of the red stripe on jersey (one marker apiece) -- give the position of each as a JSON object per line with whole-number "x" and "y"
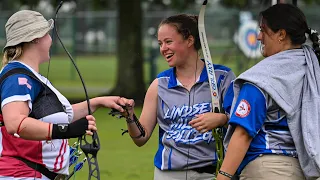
{"x": 64, "y": 151}
{"x": 57, "y": 158}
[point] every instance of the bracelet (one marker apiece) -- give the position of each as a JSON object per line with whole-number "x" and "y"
{"x": 18, "y": 130}
{"x": 129, "y": 121}
{"x": 225, "y": 174}
{"x": 140, "y": 127}
{"x": 227, "y": 117}
{"x": 48, "y": 138}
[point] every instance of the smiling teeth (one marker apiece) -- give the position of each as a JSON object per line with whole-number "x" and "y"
{"x": 169, "y": 56}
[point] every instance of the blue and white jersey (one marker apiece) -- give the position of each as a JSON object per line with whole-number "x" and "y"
{"x": 182, "y": 147}
{"x": 264, "y": 121}
{"x": 23, "y": 88}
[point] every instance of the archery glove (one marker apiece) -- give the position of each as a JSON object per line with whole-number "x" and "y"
{"x": 73, "y": 130}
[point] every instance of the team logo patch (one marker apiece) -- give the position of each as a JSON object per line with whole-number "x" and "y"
{"x": 243, "y": 109}
{"x": 24, "y": 81}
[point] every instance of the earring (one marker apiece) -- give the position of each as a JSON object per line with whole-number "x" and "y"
{"x": 279, "y": 41}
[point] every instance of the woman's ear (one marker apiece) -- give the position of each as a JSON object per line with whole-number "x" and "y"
{"x": 190, "y": 41}
{"x": 282, "y": 34}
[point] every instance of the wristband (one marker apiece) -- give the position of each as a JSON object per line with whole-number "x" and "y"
{"x": 225, "y": 174}
{"x": 140, "y": 127}
{"x": 73, "y": 130}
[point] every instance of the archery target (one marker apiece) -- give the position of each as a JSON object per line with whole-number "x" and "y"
{"x": 247, "y": 39}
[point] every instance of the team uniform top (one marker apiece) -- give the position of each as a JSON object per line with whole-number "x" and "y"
{"x": 182, "y": 147}
{"x": 264, "y": 121}
{"x": 55, "y": 155}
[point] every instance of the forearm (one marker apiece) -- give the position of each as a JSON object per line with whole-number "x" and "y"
{"x": 30, "y": 129}
{"x": 80, "y": 110}
{"x": 238, "y": 147}
{"x": 135, "y": 133}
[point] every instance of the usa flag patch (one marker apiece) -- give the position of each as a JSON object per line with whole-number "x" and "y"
{"x": 24, "y": 81}
{"x": 243, "y": 109}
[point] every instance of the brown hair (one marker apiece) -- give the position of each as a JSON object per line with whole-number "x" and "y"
{"x": 11, "y": 53}
{"x": 186, "y": 25}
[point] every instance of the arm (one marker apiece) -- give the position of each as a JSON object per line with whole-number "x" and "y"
{"x": 237, "y": 149}
{"x": 148, "y": 118}
{"x": 248, "y": 119}
{"x": 16, "y": 120}
{"x": 207, "y": 121}
{"x": 15, "y": 113}
{"x": 80, "y": 110}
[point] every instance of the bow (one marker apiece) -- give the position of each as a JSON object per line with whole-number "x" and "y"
{"x": 90, "y": 149}
{"x": 217, "y": 133}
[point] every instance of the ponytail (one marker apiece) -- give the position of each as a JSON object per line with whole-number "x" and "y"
{"x": 11, "y": 53}
{"x": 315, "y": 39}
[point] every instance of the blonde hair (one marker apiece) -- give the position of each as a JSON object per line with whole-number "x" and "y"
{"x": 11, "y": 53}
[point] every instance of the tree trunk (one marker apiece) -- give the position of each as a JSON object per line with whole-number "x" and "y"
{"x": 130, "y": 81}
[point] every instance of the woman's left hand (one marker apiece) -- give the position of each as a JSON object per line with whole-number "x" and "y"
{"x": 208, "y": 121}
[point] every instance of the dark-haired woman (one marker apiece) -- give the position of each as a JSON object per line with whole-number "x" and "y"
{"x": 178, "y": 95}
{"x": 274, "y": 125}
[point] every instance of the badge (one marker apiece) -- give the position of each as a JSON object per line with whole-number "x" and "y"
{"x": 243, "y": 109}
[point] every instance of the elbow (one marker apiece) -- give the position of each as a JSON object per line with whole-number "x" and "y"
{"x": 10, "y": 129}
{"x": 139, "y": 143}
{"x": 12, "y": 124}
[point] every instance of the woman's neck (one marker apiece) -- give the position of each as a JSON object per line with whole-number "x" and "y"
{"x": 190, "y": 69}
{"x": 31, "y": 60}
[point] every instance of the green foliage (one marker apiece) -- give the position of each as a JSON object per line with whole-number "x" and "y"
{"x": 235, "y": 3}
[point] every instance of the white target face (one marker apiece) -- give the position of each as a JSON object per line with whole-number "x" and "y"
{"x": 247, "y": 39}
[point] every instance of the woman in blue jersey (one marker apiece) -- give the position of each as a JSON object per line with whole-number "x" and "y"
{"x": 36, "y": 120}
{"x": 274, "y": 126}
{"x": 179, "y": 101}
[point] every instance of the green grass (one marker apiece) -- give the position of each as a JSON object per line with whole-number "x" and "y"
{"x": 119, "y": 158}
{"x": 99, "y": 74}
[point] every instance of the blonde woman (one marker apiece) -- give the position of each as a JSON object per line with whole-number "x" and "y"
{"x": 37, "y": 120}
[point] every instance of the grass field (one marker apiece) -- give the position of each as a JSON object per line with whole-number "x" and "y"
{"x": 99, "y": 73}
{"x": 119, "y": 158}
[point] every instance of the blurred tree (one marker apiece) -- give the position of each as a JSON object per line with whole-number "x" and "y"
{"x": 130, "y": 76}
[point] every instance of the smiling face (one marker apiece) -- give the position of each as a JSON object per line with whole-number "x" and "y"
{"x": 270, "y": 41}
{"x": 173, "y": 47}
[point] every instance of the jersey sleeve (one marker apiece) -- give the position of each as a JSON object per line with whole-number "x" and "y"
{"x": 227, "y": 91}
{"x": 19, "y": 87}
{"x": 250, "y": 109}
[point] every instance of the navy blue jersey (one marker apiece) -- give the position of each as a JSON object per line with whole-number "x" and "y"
{"x": 23, "y": 88}
{"x": 19, "y": 87}
{"x": 264, "y": 121}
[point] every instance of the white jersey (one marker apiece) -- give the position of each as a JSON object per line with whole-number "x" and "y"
{"x": 55, "y": 155}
